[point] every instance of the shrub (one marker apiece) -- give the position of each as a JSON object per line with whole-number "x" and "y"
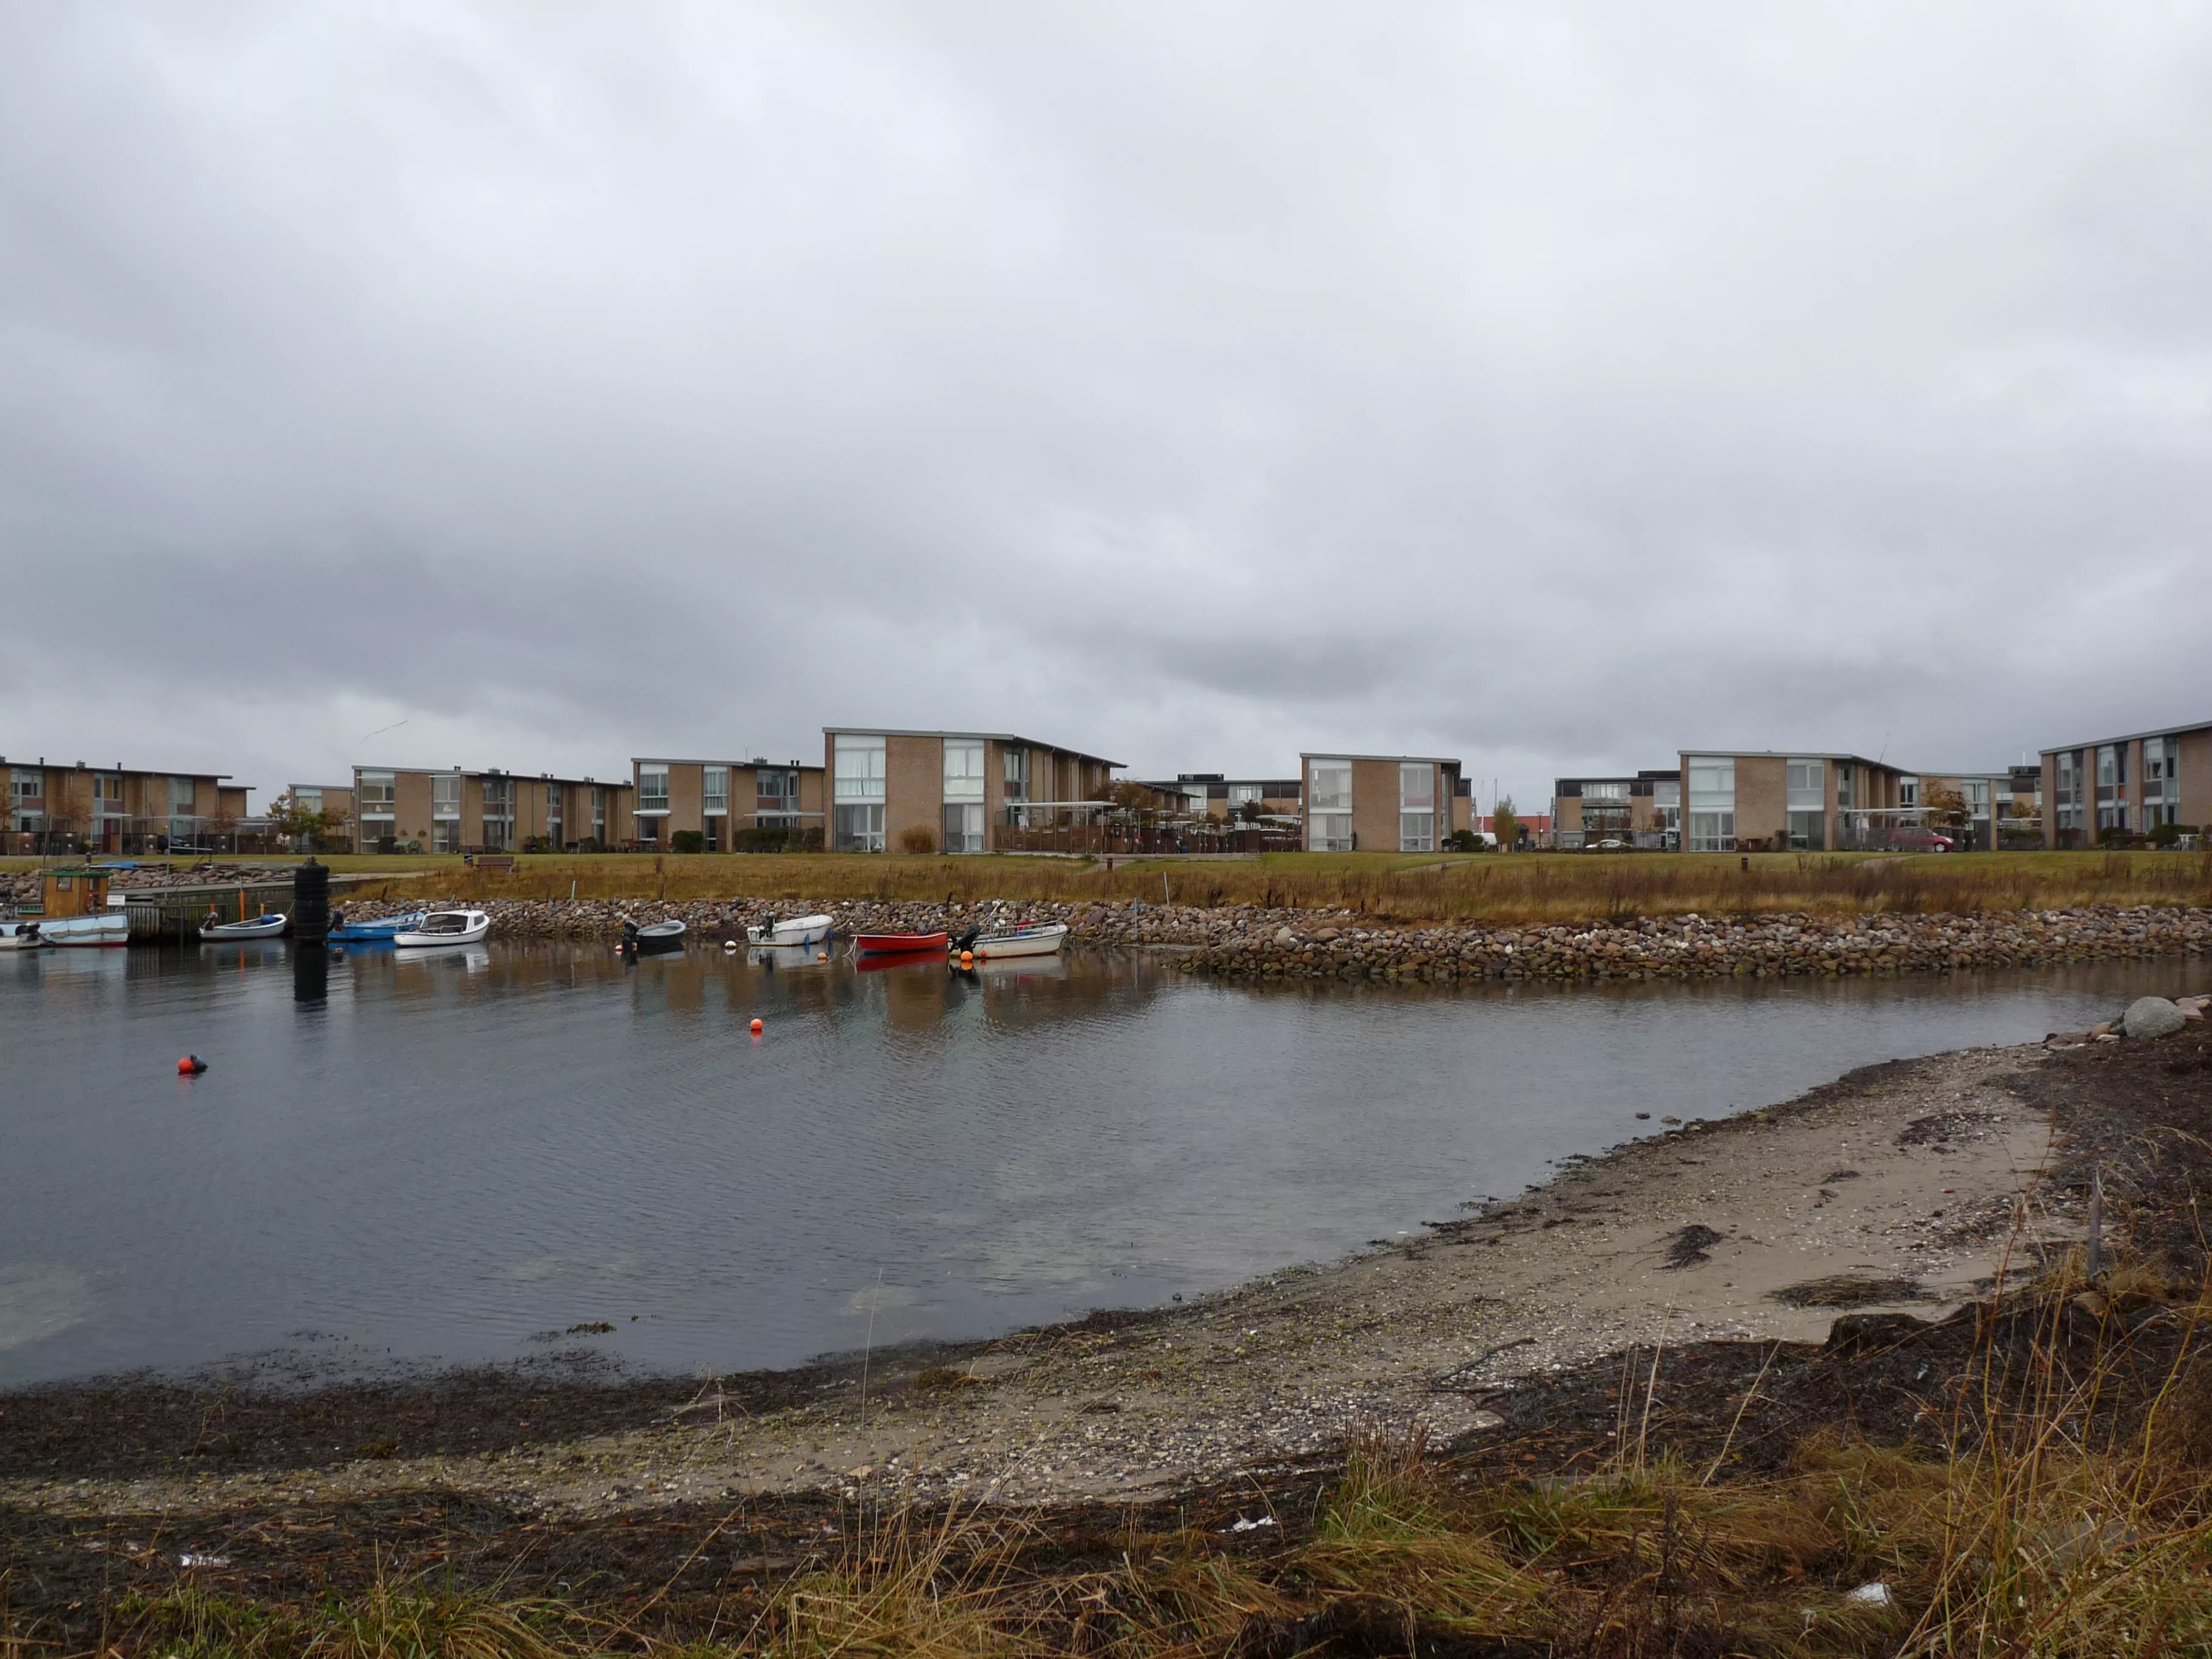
{"x": 919, "y": 839}
{"x": 688, "y": 841}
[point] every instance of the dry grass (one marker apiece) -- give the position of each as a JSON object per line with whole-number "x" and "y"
{"x": 1518, "y": 888}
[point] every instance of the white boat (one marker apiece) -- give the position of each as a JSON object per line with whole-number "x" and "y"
{"x": 1038, "y": 939}
{"x": 447, "y": 928}
{"x": 19, "y": 935}
{"x": 800, "y": 930}
{"x": 270, "y": 925}
{"x": 107, "y": 928}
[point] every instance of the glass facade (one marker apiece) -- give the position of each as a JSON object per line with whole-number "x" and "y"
{"x": 1712, "y": 803}
{"x": 1328, "y": 806}
{"x": 1416, "y": 808}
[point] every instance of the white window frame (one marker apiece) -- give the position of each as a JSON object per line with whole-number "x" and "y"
{"x": 714, "y": 791}
{"x": 652, "y": 802}
{"x": 964, "y": 771}
{"x": 858, "y": 768}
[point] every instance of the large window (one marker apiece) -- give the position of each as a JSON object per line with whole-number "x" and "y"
{"x": 652, "y": 790}
{"x": 183, "y": 796}
{"x": 599, "y": 814}
{"x": 498, "y": 815}
{"x": 445, "y": 812}
{"x": 963, "y": 826}
{"x": 858, "y": 827}
{"x": 2111, "y": 786}
{"x": 1016, "y": 767}
{"x": 1328, "y": 805}
{"x": 1712, "y": 803}
{"x": 1245, "y": 794}
{"x": 27, "y": 800}
{"x": 375, "y": 804}
{"x": 861, "y": 771}
{"x": 2161, "y": 782}
{"x": 2066, "y": 789}
{"x": 963, "y": 769}
{"x": 553, "y": 836}
{"x": 775, "y": 797}
{"x": 714, "y": 791}
{"x": 1804, "y": 785}
{"x": 1416, "y": 808}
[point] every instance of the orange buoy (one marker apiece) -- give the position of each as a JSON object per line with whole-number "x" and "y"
{"x": 824, "y": 957}
{"x": 966, "y": 958}
{"x": 757, "y": 1027}
{"x": 191, "y": 1065}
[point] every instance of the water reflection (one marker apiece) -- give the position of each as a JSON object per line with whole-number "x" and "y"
{"x": 448, "y": 1152}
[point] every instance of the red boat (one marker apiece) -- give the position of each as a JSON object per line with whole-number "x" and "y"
{"x": 898, "y": 945}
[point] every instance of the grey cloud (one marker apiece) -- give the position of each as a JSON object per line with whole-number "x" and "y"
{"x": 1550, "y": 388}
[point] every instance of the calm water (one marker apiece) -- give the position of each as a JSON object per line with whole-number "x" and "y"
{"x": 449, "y": 1156}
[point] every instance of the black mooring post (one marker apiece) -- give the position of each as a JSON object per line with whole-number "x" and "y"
{"x": 311, "y": 903}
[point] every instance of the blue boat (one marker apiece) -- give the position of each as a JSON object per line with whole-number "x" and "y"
{"x": 380, "y": 932}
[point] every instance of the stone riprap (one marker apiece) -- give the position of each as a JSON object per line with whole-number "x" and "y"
{"x": 1250, "y": 943}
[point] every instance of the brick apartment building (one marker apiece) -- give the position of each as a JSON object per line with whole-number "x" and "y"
{"x": 1751, "y": 801}
{"x": 121, "y": 809}
{"x": 1642, "y": 809}
{"x": 1217, "y": 795}
{"x": 1381, "y": 803}
{"x": 959, "y": 791}
{"x": 458, "y": 811}
{"x": 718, "y": 800}
{"x": 2117, "y": 788}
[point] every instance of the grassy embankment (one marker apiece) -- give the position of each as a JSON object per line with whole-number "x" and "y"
{"x": 2063, "y": 1525}
{"x": 1520, "y": 887}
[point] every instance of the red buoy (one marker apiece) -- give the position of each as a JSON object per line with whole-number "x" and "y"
{"x": 191, "y": 1065}
{"x": 757, "y": 1027}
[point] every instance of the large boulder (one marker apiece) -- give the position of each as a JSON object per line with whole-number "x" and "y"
{"x": 2152, "y": 1017}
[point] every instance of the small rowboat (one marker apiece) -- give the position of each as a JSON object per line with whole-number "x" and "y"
{"x": 382, "y": 930}
{"x": 445, "y": 928}
{"x": 263, "y": 927}
{"x": 898, "y": 945}
{"x": 1037, "y": 940}
{"x": 109, "y": 929}
{"x": 654, "y": 937}
{"x": 800, "y": 930}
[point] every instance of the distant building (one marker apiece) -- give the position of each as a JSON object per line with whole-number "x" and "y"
{"x": 1643, "y": 809}
{"x": 122, "y": 808}
{"x": 1381, "y": 803}
{"x": 1217, "y": 795}
{"x": 716, "y": 800}
{"x": 458, "y": 811}
{"x": 336, "y": 798}
{"x": 1765, "y": 800}
{"x": 953, "y": 792}
{"x": 2117, "y": 788}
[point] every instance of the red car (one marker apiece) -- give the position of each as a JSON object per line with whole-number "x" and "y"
{"x": 1921, "y": 841}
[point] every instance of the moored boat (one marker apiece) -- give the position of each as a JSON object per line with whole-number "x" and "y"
{"x": 19, "y": 935}
{"x": 270, "y": 925}
{"x": 382, "y": 930}
{"x": 1032, "y": 940}
{"x": 797, "y": 930}
{"x": 898, "y": 945}
{"x": 445, "y": 928}
{"x": 110, "y": 928}
{"x": 655, "y": 938}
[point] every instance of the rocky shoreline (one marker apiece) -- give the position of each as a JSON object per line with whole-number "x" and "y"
{"x": 1251, "y": 943}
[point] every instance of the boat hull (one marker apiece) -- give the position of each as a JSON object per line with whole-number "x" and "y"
{"x": 228, "y": 933}
{"x": 381, "y": 932}
{"x": 470, "y": 932}
{"x": 899, "y": 945}
{"x": 80, "y": 933}
{"x": 800, "y": 930}
{"x": 1027, "y": 942}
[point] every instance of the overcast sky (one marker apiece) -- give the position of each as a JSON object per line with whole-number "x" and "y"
{"x": 1552, "y": 386}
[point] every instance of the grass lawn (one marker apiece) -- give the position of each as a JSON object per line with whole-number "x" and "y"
{"x": 1527, "y": 887}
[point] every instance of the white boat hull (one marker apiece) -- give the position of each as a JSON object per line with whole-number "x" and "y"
{"x": 800, "y": 930}
{"x": 19, "y": 935}
{"x": 222, "y": 933}
{"x": 1027, "y": 942}
{"x": 476, "y": 924}
{"x": 78, "y": 932}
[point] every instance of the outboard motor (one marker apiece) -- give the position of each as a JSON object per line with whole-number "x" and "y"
{"x": 628, "y": 945}
{"x": 967, "y": 940}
